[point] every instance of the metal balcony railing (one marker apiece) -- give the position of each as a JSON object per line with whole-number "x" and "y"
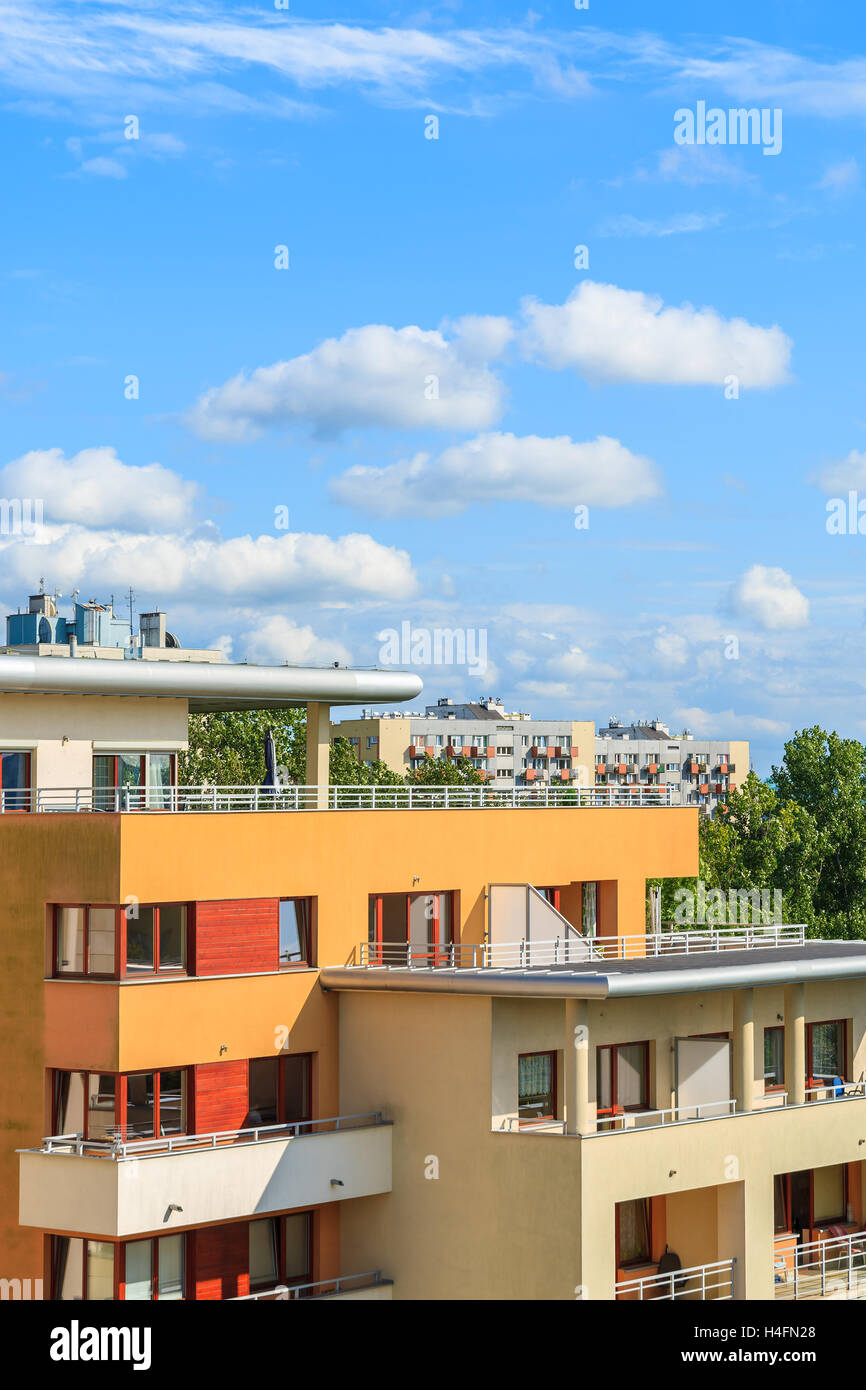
{"x": 832, "y": 1268}
{"x": 520, "y": 955}
{"x": 325, "y": 1288}
{"x": 121, "y": 1149}
{"x": 698, "y": 1283}
{"x": 332, "y": 798}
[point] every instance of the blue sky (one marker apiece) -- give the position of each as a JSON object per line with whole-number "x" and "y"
{"x": 409, "y": 258}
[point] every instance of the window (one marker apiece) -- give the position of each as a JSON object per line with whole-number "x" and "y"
{"x": 14, "y": 781}
{"x": 536, "y": 1087}
{"x": 280, "y": 1089}
{"x": 264, "y": 1271}
{"x": 622, "y": 1078}
{"x": 155, "y": 939}
{"x": 154, "y": 1269}
{"x": 589, "y": 910}
{"x": 99, "y": 1271}
{"x": 84, "y": 940}
{"x": 410, "y": 926}
{"x": 809, "y": 1198}
{"x": 825, "y": 1051}
{"x": 295, "y": 932}
{"x": 633, "y": 1232}
{"x": 280, "y": 1251}
{"x": 774, "y": 1058}
{"x": 146, "y": 778}
{"x": 102, "y": 1105}
{"x": 829, "y": 1194}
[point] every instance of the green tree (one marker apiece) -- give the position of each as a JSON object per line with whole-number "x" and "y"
{"x": 825, "y": 775}
{"x": 227, "y": 749}
{"x": 347, "y": 771}
{"x": 758, "y": 841}
{"x": 445, "y": 772}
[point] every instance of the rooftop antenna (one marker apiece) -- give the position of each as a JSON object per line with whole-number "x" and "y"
{"x": 41, "y": 585}
{"x": 131, "y": 601}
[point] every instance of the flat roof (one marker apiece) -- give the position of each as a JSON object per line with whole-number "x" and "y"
{"x": 648, "y": 975}
{"x": 207, "y": 686}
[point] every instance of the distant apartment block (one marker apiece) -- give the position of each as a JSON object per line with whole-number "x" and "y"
{"x": 515, "y": 750}
{"x": 701, "y": 771}
{"x": 512, "y": 750}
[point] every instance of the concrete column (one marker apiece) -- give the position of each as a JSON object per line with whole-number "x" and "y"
{"x": 579, "y": 1109}
{"x": 319, "y": 749}
{"x": 795, "y": 1043}
{"x": 744, "y": 1049}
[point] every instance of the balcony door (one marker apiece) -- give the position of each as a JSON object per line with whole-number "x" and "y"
{"x": 411, "y": 928}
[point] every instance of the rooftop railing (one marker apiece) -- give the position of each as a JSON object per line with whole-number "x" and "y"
{"x": 571, "y": 950}
{"x": 331, "y": 798}
{"x": 120, "y": 1149}
{"x": 324, "y": 1288}
{"x": 698, "y": 1283}
{"x": 832, "y": 1268}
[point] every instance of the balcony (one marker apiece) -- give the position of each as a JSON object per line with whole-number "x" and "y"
{"x": 173, "y": 800}
{"x": 349, "y": 1287}
{"x": 833, "y": 1268}
{"x": 697, "y": 1284}
{"x": 571, "y": 950}
{"x": 113, "y": 1190}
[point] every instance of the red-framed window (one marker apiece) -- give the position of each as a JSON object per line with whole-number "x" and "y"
{"x": 86, "y": 940}
{"x": 130, "y": 1271}
{"x": 281, "y": 1250}
{"x": 154, "y": 774}
{"x": 126, "y": 1106}
{"x": 537, "y": 1088}
{"x": 622, "y": 1078}
{"x": 553, "y": 896}
{"x": 15, "y": 781}
{"x": 296, "y": 942}
{"x": 826, "y": 1052}
{"x": 154, "y": 939}
{"x": 774, "y": 1059}
{"x": 280, "y": 1089}
{"x": 634, "y": 1241}
{"x": 809, "y": 1198}
{"x": 412, "y": 926}
{"x": 122, "y": 942}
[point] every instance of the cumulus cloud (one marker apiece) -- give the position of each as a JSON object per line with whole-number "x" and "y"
{"x": 95, "y": 488}
{"x": 279, "y": 639}
{"x": 372, "y": 376}
{"x": 769, "y": 596}
{"x": 610, "y": 334}
{"x": 262, "y": 569}
{"x": 556, "y": 472}
{"x": 671, "y": 647}
{"x": 849, "y": 472}
{"x": 725, "y": 723}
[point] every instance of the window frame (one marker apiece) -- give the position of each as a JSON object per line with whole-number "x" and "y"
{"x": 375, "y": 913}
{"x": 614, "y": 1109}
{"x": 86, "y": 973}
{"x": 281, "y": 1060}
{"x": 121, "y": 1099}
{"x": 169, "y": 972}
{"x": 24, "y": 791}
{"x": 820, "y": 1023}
{"x": 309, "y": 962}
{"x": 554, "y": 1089}
{"x": 779, "y": 1084}
{"x": 120, "y": 1268}
{"x": 637, "y": 1260}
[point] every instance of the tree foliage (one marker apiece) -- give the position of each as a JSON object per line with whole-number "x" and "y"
{"x": 445, "y": 772}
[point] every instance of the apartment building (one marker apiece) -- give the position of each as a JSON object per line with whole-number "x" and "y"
{"x": 509, "y": 750}
{"x": 236, "y": 1073}
{"x": 517, "y": 751}
{"x": 698, "y": 772}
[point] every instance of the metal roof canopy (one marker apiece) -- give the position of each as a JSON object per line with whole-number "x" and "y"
{"x": 207, "y": 687}
{"x": 649, "y": 975}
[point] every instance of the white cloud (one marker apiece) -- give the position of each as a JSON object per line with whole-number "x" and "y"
{"x": 698, "y": 164}
{"x": 671, "y": 647}
{"x": 279, "y": 639}
{"x": 265, "y": 569}
{"x": 610, "y": 334}
{"x": 104, "y": 167}
{"x": 726, "y": 723}
{"x": 95, "y": 488}
{"x": 839, "y": 178}
{"x": 376, "y": 375}
{"x": 625, "y": 225}
{"x": 502, "y": 467}
{"x": 850, "y": 472}
{"x": 770, "y": 597}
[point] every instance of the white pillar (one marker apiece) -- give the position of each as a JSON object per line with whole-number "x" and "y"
{"x": 319, "y": 750}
